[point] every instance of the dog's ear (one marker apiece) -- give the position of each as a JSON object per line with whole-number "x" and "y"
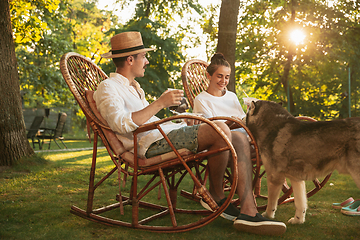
{"x": 252, "y": 108}
{"x": 252, "y": 104}
{"x": 280, "y": 103}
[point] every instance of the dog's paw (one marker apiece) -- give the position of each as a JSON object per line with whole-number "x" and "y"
{"x": 271, "y": 216}
{"x": 296, "y": 220}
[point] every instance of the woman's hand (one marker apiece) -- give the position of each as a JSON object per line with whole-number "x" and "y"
{"x": 191, "y": 122}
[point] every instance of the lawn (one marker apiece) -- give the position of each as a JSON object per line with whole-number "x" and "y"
{"x": 35, "y": 199}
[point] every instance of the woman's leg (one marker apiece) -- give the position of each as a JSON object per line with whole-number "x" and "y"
{"x": 209, "y": 139}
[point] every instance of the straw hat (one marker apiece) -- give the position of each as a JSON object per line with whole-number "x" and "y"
{"x": 126, "y": 44}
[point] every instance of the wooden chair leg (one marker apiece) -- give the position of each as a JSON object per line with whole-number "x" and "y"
{"x": 92, "y": 178}
{"x": 167, "y": 194}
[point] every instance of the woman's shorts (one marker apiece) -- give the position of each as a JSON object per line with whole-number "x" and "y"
{"x": 184, "y": 137}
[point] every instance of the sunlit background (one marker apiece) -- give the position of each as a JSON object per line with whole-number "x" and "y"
{"x": 198, "y": 52}
{"x": 303, "y": 54}
{"x": 297, "y": 36}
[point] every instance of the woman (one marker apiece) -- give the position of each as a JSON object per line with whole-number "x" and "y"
{"x": 216, "y": 100}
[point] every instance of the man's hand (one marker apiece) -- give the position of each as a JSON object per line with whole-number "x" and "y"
{"x": 167, "y": 99}
{"x": 171, "y": 97}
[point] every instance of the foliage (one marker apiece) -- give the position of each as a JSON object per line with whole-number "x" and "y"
{"x": 316, "y": 69}
{"x": 210, "y": 28}
{"x": 37, "y": 53}
{"x": 27, "y": 19}
{"x": 60, "y": 27}
{"x": 75, "y": 25}
{"x": 318, "y": 75}
{"x": 155, "y": 21}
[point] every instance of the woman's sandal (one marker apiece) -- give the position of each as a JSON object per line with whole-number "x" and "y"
{"x": 353, "y": 209}
{"x": 345, "y": 203}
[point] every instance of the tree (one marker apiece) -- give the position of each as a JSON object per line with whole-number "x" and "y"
{"x": 228, "y": 22}
{"x": 13, "y": 142}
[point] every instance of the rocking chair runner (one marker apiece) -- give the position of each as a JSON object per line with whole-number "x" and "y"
{"x": 166, "y": 171}
{"x": 195, "y": 81}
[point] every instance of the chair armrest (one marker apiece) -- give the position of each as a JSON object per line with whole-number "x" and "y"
{"x": 154, "y": 125}
{"x": 235, "y": 122}
{"x": 232, "y": 122}
{"x": 47, "y": 130}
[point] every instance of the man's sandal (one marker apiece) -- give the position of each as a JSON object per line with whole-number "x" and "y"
{"x": 353, "y": 209}
{"x": 345, "y": 203}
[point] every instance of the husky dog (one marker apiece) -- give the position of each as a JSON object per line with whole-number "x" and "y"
{"x": 301, "y": 150}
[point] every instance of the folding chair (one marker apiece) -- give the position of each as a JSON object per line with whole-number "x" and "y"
{"x": 194, "y": 81}
{"x": 54, "y": 133}
{"x": 34, "y": 129}
{"x": 167, "y": 171}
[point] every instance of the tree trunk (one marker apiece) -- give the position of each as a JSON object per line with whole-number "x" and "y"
{"x": 228, "y": 21}
{"x": 289, "y": 59}
{"x": 13, "y": 142}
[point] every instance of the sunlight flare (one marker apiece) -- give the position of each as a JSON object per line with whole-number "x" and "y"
{"x": 297, "y": 36}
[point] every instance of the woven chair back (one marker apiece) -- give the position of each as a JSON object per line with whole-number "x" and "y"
{"x": 194, "y": 78}
{"x": 81, "y": 74}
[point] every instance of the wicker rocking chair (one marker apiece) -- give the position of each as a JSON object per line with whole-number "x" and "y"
{"x": 141, "y": 208}
{"x": 194, "y": 82}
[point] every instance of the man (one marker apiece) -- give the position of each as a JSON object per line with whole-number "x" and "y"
{"x": 121, "y": 101}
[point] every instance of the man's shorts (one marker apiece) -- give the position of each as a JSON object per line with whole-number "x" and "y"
{"x": 184, "y": 137}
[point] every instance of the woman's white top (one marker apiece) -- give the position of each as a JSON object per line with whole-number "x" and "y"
{"x": 212, "y": 106}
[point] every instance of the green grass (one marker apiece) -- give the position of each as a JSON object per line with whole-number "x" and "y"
{"x": 71, "y": 144}
{"x": 36, "y": 196}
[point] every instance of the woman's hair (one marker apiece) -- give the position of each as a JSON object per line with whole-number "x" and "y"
{"x": 216, "y": 61}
